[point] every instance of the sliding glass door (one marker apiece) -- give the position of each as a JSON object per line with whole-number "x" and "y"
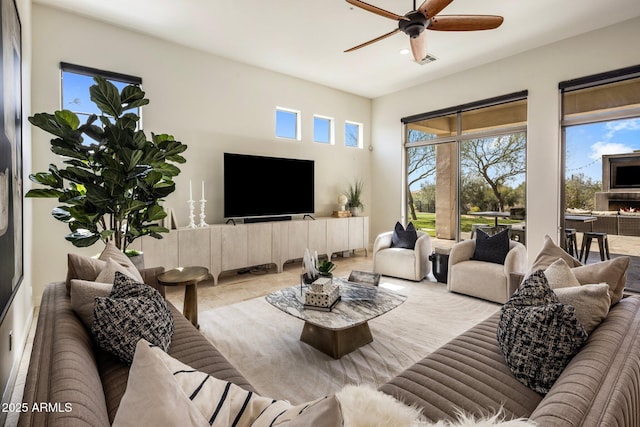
{"x": 601, "y": 167}
{"x": 466, "y": 169}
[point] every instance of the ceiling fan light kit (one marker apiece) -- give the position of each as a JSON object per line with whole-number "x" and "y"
{"x": 425, "y": 17}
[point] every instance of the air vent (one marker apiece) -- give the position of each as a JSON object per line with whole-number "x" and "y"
{"x": 427, "y": 59}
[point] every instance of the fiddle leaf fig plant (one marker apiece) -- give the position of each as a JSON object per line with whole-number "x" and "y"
{"x": 114, "y": 177}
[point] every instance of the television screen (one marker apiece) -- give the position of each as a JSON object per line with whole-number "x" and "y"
{"x": 625, "y": 176}
{"x": 262, "y": 186}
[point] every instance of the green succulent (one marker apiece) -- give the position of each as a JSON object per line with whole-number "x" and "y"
{"x": 326, "y": 267}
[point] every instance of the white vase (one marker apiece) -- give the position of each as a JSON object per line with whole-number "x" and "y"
{"x": 356, "y": 211}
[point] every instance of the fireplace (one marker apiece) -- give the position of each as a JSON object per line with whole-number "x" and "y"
{"x": 620, "y": 182}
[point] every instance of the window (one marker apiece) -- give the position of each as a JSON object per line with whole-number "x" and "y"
{"x": 287, "y": 123}
{"x": 353, "y": 134}
{"x": 601, "y": 160}
{"x": 76, "y": 81}
{"x": 323, "y": 129}
{"x": 465, "y": 160}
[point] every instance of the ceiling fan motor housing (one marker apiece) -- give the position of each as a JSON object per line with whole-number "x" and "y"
{"x": 415, "y": 24}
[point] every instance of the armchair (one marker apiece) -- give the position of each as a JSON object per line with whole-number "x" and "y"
{"x": 486, "y": 280}
{"x": 411, "y": 264}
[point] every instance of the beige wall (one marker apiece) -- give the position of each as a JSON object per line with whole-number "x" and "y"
{"x": 539, "y": 71}
{"x": 20, "y": 313}
{"x": 212, "y": 104}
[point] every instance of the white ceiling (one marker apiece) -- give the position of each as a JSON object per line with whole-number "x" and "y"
{"x": 306, "y": 39}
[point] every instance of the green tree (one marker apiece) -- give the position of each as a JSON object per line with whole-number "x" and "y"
{"x": 498, "y": 161}
{"x": 580, "y": 191}
{"x": 421, "y": 164}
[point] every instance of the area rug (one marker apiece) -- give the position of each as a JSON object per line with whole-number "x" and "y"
{"x": 263, "y": 343}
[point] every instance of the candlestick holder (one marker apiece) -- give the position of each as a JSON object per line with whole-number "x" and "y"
{"x": 202, "y": 224}
{"x": 192, "y": 216}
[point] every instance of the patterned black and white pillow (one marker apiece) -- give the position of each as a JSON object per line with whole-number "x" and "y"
{"x": 537, "y": 334}
{"x": 132, "y": 311}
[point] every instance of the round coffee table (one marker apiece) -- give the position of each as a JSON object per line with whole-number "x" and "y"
{"x": 189, "y": 278}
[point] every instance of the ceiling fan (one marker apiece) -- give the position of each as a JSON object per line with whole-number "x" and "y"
{"x": 426, "y": 17}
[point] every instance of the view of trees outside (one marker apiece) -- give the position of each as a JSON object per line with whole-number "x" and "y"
{"x": 492, "y": 169}
{"x": 585, "y": 146}
{"x": 493, "y": 173}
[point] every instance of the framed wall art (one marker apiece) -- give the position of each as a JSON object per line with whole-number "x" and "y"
{"x": 11, "y": 221}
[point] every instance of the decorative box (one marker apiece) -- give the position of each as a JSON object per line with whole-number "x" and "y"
{"x": 323, "y": 293}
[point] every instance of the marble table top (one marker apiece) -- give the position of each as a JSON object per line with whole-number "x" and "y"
{"x": 359, "y": 304}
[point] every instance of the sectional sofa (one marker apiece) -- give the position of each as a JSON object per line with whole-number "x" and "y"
{"x": 599, "y": 387}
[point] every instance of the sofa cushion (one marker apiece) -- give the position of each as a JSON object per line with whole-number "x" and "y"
{"x": 131, "y": 312}
{"x": 83, "y": 295}
{"x": 491, "y": 248}
{"x": 88, "y": 268}
{"x": 613, "y": 272}
{"x": 591, "y": 302}
{"x": 549, "y": 253}
{"x": 111, "y": 252}
{"x": 404, "y": 238}
{"x": 537, "y": 334}
{"x": 83, "y": 268}
{"x": 108, "y": 273}
{"x": 559, "y": 275}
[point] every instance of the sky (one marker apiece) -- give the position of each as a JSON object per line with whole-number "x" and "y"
{"x": 587, "y": 143}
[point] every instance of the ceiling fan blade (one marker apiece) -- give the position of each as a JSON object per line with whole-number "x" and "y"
{"x": 376, "y": 10}
{"x": 419, "y": 46}
{"x": 431, "y": 8}
{"x": 384, "y": 36}
{"x": 465, "y": 22}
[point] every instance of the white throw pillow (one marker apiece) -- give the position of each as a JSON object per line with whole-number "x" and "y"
{"x": 591, "y": 302}
{"x": 162, "y": 391}
{"x": 559, "y": 275}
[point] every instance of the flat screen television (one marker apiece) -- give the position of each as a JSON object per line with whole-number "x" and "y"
{"x": 259, "y": 186}
{"x": 625, "y": 173}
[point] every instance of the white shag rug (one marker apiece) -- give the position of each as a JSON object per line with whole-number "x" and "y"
{"x": 263, "y": 343}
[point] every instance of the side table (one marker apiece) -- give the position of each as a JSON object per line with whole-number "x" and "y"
{"x": 189, "y": 278}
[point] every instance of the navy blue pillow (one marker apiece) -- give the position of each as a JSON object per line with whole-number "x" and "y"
{"x": 404, "y": 238}
{"x": 491, "y": 248}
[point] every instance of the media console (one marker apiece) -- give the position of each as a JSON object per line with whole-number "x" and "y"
{"x": 224, "y": 247}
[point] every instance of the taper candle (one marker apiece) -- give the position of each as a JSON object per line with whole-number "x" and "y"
{"x": 190, "y": 191}
{"x": 202, "y": 190}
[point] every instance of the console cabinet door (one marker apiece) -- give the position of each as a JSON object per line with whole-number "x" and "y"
{"x": 298, "y": 238}
{"x": 259, "y": 244}
{"x": 194, "y": 247}
{"x": 337, "y": 235}
{"x": 161, "y": 252}
{"x": 234, "y": 247}
{"x": 356, "y": 235}
{"x": 318, "y": 236}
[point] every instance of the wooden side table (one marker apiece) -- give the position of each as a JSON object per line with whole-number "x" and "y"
{"x": 189, "y": 278}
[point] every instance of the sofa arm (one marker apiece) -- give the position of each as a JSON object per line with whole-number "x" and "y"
{"x": 383, "y": 241}
{"x": 461, "y": 251}
{"x": 516, "y": 259}
{"x": 423, "y": 246}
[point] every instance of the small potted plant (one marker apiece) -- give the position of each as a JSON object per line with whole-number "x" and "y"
{"x": 325, "y": 268}
{"x": 354, "y": 197}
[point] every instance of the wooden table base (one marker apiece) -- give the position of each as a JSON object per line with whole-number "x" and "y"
{"x": 336, "y": 343}
{"x": 190, "y": 307}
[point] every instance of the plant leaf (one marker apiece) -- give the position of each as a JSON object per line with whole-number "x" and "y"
{"x": 106, "y": 96}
